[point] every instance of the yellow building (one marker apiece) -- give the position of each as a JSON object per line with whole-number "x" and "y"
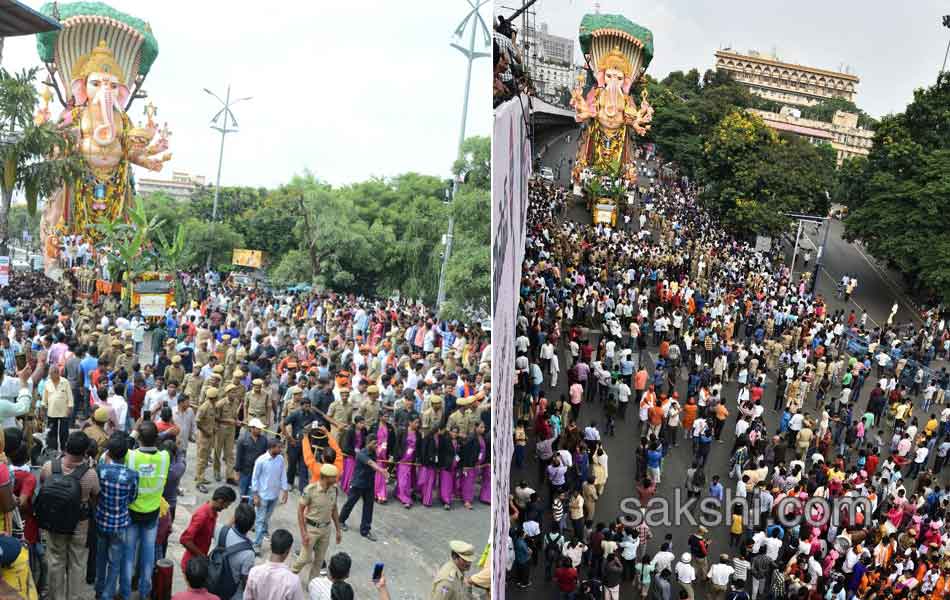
{"x": 784, "y": 82}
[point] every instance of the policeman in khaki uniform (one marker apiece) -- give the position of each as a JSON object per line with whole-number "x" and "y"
{"x": 433, "y": 416}
{"x": 450, "y": 583}
{"x": 230, "y": 359}
{"x": 192, "y": 384}
{"x": 206, "y": 423}
{"x": 461, "y": 417}
{"x": 257, "y": 403}
{"x": 125, "y": 360}
{"x": 226, "y": 414}
{"x": 174, "y": 372}
{"x": 369, "y": 409}
{"x": 96, "y": 430}
{"x": 341, "y": 411}
{"x": 316, "y": 511}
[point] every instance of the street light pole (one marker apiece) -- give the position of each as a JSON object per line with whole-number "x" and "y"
{"x": 946, "y": 23}
{"x": 470, "y": 54}
{"x": 224, "y": 129}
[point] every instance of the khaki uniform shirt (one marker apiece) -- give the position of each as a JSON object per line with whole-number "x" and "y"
{"x": 319, "y": 503}
{"x": 206, "y": 417}
{"x": 173, "y": 373}
{"x": 369, "y": 410}
{"x": 431, "y": 419}
{"x": 192, "y": 386}
{"x": 257, "y": 405}
{"x": 225, "y": 410}
{"x": 98, "y": 435}
{"x": 340, "y": 411}
{"x": 449, "y": 584}
{"x": 458, "y": 419}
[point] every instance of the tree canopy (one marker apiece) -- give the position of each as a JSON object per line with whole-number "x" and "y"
{"x": 899, "y": 198}
{"x": 379, "y": 236}
{"x": 752, "y": 176}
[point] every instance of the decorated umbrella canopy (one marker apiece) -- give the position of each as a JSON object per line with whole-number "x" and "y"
{"x": 85, "y": 24}
{"x": 599, "y": 34}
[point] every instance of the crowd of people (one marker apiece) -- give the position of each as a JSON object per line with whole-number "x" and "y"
{"x": 717, "y": 345}
{"x": 330, "y": 400}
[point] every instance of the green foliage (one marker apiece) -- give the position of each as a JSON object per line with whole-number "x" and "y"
{"x": 902, "y": 212}
{"x": 825, "y": 111}
{"x": 202, "y": 237}
{"x": 753, "y": 176}
{"x": 375, "y": 237}
{"x": 33, "y": 158}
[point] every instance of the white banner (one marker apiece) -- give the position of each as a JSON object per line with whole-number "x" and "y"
{"x": 511, "y": 168}
{"x": 152, "y": 305}
{"x": 4, "y": 271}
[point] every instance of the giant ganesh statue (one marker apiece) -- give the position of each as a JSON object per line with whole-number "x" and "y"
{"x": 100, "y": 59}
{"x": 618, "y": 52}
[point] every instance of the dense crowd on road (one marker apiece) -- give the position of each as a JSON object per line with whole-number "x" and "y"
{"x": 670, "y": 317}
{"x": 332, "y": 400}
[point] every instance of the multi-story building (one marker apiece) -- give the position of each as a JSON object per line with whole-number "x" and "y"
{"x": 785, "y": 82}
{"x": 797, "y": 86}
{"x": 842, "y": 133}
{"x": 550, "y": 62}
{"x": 180, "y": 187}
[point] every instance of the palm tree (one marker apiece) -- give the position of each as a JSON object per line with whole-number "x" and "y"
{"x": 34, "y": 158}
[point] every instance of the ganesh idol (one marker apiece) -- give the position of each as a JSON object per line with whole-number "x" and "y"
{"x": 607, "y": 143}
{"x": 100, "y": 131}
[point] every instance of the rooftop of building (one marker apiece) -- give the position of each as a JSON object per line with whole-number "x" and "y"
{"x": 728, "y": 52}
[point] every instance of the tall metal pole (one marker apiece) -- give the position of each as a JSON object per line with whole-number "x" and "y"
{"x": 945, "y": 55}
{"x": 470, "y": 55}
{"x": 821, "y": 254}
{"x": 795, "y": 252}
{"x": 226, "y": 112}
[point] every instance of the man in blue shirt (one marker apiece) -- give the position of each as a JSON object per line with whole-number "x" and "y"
{"x": 118, "y": 486}
{"x": 268, "y": 483}
{"x": 89, "y": 364}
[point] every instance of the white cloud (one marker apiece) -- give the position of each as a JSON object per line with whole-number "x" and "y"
{"x": 892, "y": 50}
{"x": 347, "y": 90}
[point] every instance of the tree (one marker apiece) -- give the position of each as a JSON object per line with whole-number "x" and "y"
{"x": 826, "y": 109}
{"x": 753, "y": 176}
{"x": 905, "y": 185}
{"x": 202, "y": 237}
{"x": 34, "y": 158}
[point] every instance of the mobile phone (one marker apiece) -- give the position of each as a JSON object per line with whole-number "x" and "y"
{"x": 377, "y": 571}
{"x": 146, "y": 415}
{"x": 245, "y": 499}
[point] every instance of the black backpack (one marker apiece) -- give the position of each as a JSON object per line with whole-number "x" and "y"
{"x": 57, "y": 499}
{"x": 221, "y": 581}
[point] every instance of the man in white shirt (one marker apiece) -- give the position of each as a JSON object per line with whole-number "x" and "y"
{"x": 157, "y": 395}
{"x": 686, "y": 574}
{"x": 719, "y": 575}
{"x": 118, "y": 404}
{"x": 663, "y": 559}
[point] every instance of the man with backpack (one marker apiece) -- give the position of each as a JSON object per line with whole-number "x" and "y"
{"x": 233, "y": 557}
{"x": 66, "y": 483}
{"x": 152, "y": 465}
{"x": 197, "y": 537}
{"x": 118, "y": 488}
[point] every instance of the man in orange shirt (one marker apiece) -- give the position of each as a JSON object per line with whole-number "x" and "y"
{"x": 317, "y": 445}
{"x": 722, "y": 413}
{"x": 655, "y": 416}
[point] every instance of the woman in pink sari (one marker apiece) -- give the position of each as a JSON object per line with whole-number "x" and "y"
{"x": 384, "y": 438}
{"x": 428, "y": 467}
{"x": 474, "y": 455}
{"x": 449, "y": 458}
{"x": 353, "y": 442}
{"x": 406, "y": 450}
{"x": 484, "y": 464}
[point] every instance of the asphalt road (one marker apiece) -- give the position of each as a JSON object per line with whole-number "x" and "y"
{"x": 621, "y": 484}
{"x": 413, "y": 544}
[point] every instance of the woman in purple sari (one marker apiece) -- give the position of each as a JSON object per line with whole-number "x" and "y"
{"x": 406, "y": 451}
{"x": 473, "y": 455}
{"x": 353, "y": 442}
{"x": 449, "y": 458}
{"x": 384, "y": 438}
{"x": 428, "y": 467}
